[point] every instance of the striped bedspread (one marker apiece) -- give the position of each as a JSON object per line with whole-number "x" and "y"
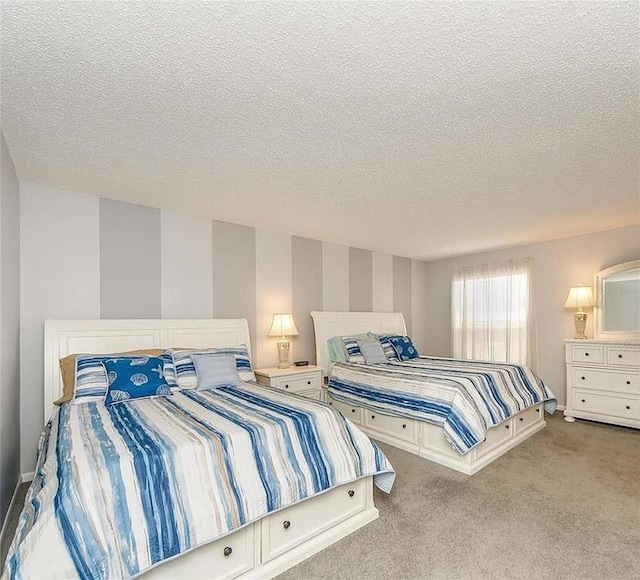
{"x": 119, "y": 489}
{"x": 465, "y": 397}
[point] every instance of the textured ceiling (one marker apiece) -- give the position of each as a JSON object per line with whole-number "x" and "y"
{"x": 423, "y": 129}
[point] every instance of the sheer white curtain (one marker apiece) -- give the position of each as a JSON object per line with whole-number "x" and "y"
{"x": 492, "y": 312}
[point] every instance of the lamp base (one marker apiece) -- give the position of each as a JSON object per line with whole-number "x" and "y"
{"x": 580, "y": 320}
{"x": 283, "y": 354}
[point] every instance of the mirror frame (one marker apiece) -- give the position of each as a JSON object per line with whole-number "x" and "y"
{"x": 599, "y": 279}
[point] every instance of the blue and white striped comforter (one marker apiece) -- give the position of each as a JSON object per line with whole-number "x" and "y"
{"x": 465, "y": 397}
{"x": 120, "y": 489}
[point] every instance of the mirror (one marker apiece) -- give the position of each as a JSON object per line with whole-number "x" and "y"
{"x": 617, "y": 310}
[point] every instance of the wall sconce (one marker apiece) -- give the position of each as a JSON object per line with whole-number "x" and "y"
{"x": 283, "y": 326}
{"x": 580, "y": 297}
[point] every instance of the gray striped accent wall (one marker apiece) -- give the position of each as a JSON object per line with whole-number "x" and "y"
{"x": 85, "y": 257}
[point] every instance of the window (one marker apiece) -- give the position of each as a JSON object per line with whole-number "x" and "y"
{"x": 491, "y": 310}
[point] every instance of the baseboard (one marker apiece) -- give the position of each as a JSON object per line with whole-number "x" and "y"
{"x": 11, "y": 506}
{"x": 26, "y": 477}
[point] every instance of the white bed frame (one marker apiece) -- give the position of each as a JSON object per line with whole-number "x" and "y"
{"x": 414, "y": 436}
{"x": 262, "y": 549}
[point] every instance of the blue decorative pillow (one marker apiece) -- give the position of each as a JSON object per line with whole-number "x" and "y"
{"x": 404, "y": 347}
{"x": 216, "y": 369}
{"x": 91, "y": 382}
{"x": 186, "y": 371}
{"x": 389, "y": 351}
{"x": 135, "y": 378}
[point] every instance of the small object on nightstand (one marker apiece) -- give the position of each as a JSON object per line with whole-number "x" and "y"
{"x": 301, "y": 363}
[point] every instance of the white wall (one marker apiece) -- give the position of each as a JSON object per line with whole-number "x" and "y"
{"x": 9, "y": 330}
{"x": 558, "y": 265}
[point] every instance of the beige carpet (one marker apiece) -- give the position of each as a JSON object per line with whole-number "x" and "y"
{"x": 563, "y": 505}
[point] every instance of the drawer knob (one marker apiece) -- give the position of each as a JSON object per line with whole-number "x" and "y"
{"x": 373, "y": 416}
{"x": 628, "y": 382}
{"x": 586, "y": 354}
{"x": 583, "y": 378}
{"x": 351, "y": 493}
{"x": 353, "y": 410}
{"x": 537, "y": 410}
{"x": 627, "y": 407}
{"x": 286, "y": 386}
{"x": 521, "y": 419}
{"x": 583, "y": 400}
{"x": 404, "y": 426}
{"x": 506, "y": 426}
{"x": 286, "y": 524}
{"x": 330, "y": 402}
{"x": 619, "y": 356}
{"x": 308, "y": 382}
{"x": 227, "y": 551}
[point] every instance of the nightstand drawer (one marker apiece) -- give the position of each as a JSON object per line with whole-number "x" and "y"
{"x": 585, "y": 378}
{"x": 587, "y": 353}
{"x": 298, "y": 383}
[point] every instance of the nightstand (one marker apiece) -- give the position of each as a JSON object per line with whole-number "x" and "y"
{"x": 306, "y": 381}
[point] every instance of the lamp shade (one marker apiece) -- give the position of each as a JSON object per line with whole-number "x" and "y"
{"x": 580, "y": 297}
{"x": 283, "y": 325}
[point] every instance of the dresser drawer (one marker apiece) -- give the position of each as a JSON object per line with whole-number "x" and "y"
{"x": 621, "y": 382}
{"x": 399, "y": 427}
{"x": 283, "y": 530}
{"x": 299, "y": 383}
{"x": 587, "y": 353}
{"x": 349, "y": 411}
{"x": 525, "y": 419}
{"x": 623, "y": 356}
{"x": 606, "y": 404}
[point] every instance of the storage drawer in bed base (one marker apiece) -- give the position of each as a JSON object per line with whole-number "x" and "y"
{"x": 428, "y": 440}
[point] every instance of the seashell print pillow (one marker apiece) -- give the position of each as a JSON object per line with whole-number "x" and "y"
{"x": 135, "y": 378}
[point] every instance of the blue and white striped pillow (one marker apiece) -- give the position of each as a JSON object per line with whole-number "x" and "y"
{"x": 91, "y": 383}
{"x": 186, "y": 371}
{"x": 352, "y": 350}
{"x": 389, "y": 351}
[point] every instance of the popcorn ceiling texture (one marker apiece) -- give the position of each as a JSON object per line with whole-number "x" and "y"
{"x": 423, "y": 129}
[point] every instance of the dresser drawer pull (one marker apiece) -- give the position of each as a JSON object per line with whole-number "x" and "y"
{"x": 537, "y": 410}
{"x": 584, "y": 378}
{"x": 353, "y": 410}
{"x": 628, "y": 382}
{"x": 583, "y": 400}
{"x": 286, "y": 386}
{"x": 506, "y": 426}
{"x": 331, "y": 402}
{"x": 373, "y": 416}
{"x": 521, "y": 419}
{"x": 308, "y": 382}
{"x": 227, "y": 551}
{"x": 619, "y": 356}
{"x": 351, "y": 493}
{"x": 586, "y": 354}
{"x": 404, "y": 425}
{"x": 627, "y": 407}
{"x": 286, "y": 524}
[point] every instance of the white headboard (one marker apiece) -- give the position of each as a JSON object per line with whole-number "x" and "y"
{"x": 63, "y": 337}
{"x": 328, "y": 324}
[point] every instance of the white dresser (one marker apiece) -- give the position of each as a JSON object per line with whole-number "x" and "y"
{"x": 603, "y": 381}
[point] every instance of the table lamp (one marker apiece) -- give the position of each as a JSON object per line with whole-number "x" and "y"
{"x": 580, "y": 297}
{"x": 283, "y": 326}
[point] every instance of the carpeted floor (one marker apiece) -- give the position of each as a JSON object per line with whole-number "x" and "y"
{"x": 563, "y": 505}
